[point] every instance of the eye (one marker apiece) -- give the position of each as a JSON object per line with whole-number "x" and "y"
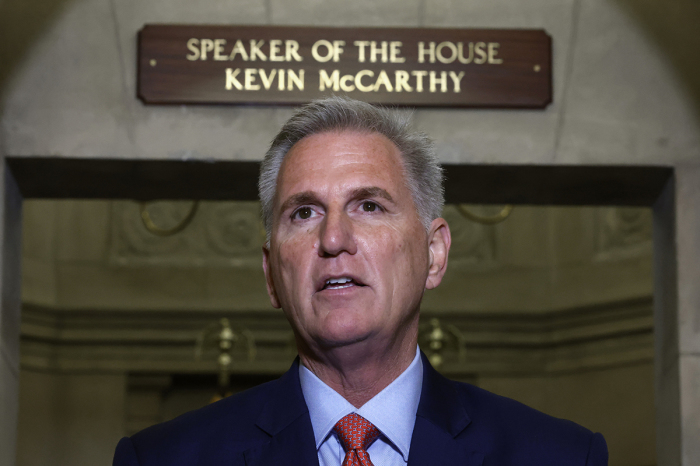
{"x": 303, "y": 213}
{"x": 369, "y": 206}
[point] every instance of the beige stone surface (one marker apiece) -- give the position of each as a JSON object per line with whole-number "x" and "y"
{"x": 9, "y": 396}
{"x": 690, "y": 402}
{"x": 619, "y": 403}
{"x": 688, "y": 241}
{"x": 69, "y": 419}
{"x": 362, "y": 13}
{"x": 69, "y": 99}
{"x": 623, "y": 103}
{"x": 667, "y": 371}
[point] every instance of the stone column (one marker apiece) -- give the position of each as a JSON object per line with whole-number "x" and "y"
{"x": 677, "y": 321}
{"x": 688, "y": 244}
{"x": 10, "y": 298}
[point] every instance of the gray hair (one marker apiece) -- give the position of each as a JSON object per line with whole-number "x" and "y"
{"x": 421, "y": 166}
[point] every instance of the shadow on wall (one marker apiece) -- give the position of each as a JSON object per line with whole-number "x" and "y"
{"x": 672, "y": 25}
{"x": 22, "y": 22}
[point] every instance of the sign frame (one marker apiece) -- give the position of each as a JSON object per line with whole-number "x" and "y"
{"x": 261, "y": 65}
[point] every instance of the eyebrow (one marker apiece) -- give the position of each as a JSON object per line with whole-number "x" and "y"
{"x": 371, "y": 191}
{"x": 309, "y": 197}
{"x": 306, "y": 197}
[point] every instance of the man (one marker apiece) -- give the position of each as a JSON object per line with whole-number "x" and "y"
{"x": 351, "y": 201}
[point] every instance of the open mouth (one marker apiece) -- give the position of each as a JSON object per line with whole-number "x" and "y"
{"x": 340, "y": 283}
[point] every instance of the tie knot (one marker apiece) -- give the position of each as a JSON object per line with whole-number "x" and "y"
{"x": 355, "y": 432}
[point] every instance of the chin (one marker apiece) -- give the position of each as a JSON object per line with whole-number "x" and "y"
{"x": 343, "y": 336}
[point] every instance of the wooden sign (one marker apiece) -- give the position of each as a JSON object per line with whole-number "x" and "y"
{"x": 293, "y": 65}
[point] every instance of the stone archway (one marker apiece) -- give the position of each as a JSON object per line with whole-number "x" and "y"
{"x": 592, "y": 185}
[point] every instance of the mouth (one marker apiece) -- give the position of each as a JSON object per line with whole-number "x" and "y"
{"x": 339, "y": 283}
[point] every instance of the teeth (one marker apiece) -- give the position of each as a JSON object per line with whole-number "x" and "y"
{"x": 338, "y": 281}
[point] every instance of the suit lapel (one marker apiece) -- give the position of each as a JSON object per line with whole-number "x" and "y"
{"x": 440, "y": 418}
{"x": 285, "y": 418}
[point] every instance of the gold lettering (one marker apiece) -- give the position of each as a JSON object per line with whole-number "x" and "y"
{"x": 231, "y": 80}
{"x": 419, "y": 74}
{"x": 358, "y": 80}
{"x": 267, "y": 80}
{"x": 493, "y": 51}
{"x": 275, "y": 45}
{"x": 295, "y": 79}
{"x": 317, "y": 56}
{"x": 383, "y": 79}
{"x": 394, "y": 51}
{"x": 422, "y": 51}
{"x": 280, "y": 80}
{"x": 255, "y": 50}
{"x": 374, "y": 51}
{"x": 463, "y": 60}
{"x": 456, "y": 80}
{"x": 291, "y": 50}
{"x": 361, "y": 44}
{"x": 337, "y": 49}
{"x": 331, "y": 82}
{"x": 480, "y": 50}
{"x": 453, "y": 52}
{"x": 219, "y": 49}
{"x": 334, "y": 50}
{"x": 401, "y": 77}
{"x": 250, "y": 80}
{"x": 434, "y": 81}
{"x": 344, "y": 83}
{"x": 207, "y": 46}
{"x": 193, "y": 46}
{"x": 238, "y": 48}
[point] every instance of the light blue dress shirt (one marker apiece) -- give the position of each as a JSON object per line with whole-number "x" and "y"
{"x": 392, "y": 411}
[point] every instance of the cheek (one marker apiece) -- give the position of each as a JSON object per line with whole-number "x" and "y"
{"x": 294, "y": 256}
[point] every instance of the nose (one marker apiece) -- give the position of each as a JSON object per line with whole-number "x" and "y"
{"x": 336, "y": 235}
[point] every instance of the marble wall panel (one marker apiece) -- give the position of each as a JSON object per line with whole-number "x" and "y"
{"x": 619, "y": 403}
{"x": 363, "y": 13}
{"x": 68, "y": 99}
{"x": 688, "y": 244}
{"x": 623, "y": 103}
{"x": 70, "y": 419}
{"x": 690, "y": 402}
{"x": 11, "y": 259}
{"x": 9, "y": 393}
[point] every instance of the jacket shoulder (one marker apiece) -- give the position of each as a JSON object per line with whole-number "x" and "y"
{"x": 221, "y": 430}
{"x": 514, "y": 432}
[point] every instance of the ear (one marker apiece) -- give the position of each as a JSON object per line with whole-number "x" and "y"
{"x": 268, "y": 279}
{"x": 439, "y": 241}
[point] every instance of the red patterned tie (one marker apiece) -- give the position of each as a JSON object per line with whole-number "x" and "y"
{"x": 356, "y": 434}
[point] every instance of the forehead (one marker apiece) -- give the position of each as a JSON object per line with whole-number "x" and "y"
{"x": 336, "y": 159}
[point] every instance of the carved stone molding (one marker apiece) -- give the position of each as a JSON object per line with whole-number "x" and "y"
{"x": 622, "y": 232}
{"x": 472, "y": 243}
{"x": 231, "y": 234}
{"x": 221, "y": 234}
{"x": 494, "y": 342}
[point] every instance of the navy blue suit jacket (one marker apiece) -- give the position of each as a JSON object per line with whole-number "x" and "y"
{"x": 456, "y": 424}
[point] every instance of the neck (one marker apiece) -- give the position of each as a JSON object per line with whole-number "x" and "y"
{"x": 361, "y": 370}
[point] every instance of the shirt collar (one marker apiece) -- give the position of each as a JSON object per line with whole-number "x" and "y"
{"x": 392, "y": 411}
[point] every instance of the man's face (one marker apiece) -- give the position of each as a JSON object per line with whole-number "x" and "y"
{"x": 348, "y": 258}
